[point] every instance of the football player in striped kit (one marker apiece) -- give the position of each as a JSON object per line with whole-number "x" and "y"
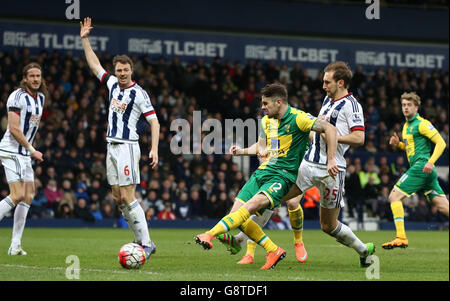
{"x": 127, "y": 102}
{"x": 25, "y": 106}
{"x": 343, "y": 111}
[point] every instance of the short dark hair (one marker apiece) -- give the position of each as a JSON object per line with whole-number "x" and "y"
{"x": 341, "y": 71}
{"x": 123, "y": 59}
{"x": 275, "y": 90}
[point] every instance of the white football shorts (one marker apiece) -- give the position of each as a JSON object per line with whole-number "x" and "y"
{"x": 18, "y": 168}
{"x": 331, "y": 190}
{"x": 122, "y": 163}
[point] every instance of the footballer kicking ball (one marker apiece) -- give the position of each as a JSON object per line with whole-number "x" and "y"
{"x": 131, "y": 256}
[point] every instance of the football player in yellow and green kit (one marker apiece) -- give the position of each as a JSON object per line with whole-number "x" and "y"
{"x": 417, "y": 134}
{"x": 285, "y": 135}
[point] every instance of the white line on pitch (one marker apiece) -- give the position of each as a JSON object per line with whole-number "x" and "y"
{"x": 62, "y": 268}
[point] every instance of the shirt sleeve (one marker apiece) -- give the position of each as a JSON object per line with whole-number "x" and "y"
{"x": 305, "y": 121}
{"x": 146, "y": 107}
{"x": 262, "y": 127}
{"x": 355, "y": 117}
{"x": 427, "y": 129}
{"x": 107, "y": 78}
{"x": 14, "y": 103}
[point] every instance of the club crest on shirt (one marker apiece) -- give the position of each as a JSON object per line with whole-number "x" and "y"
{"x": 118, "y": 106}
{"x": 323, "y": 117}
{"x": 34, "y": 120}
{"x": 334, "y": 114}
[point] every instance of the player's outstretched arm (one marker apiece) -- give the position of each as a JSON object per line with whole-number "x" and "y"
{"x": 355, "y": 138}
{"x": 322, "y": 126}
{"x": 253, "y": 150}
{"x": 154, "y": 125}
{"x": 16, "y": 131}
{"x": 91, "y": 58}
{"x": 438, "y": 150}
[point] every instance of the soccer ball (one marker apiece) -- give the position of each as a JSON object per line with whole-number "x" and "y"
{"x": 131, "y": 256}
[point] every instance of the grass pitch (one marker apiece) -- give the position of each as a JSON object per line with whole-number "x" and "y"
{"x": 178, "y": 258}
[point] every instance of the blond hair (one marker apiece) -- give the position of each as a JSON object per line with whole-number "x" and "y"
{"x": 411, "y": 96}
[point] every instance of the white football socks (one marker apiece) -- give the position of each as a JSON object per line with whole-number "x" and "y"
{"x": 136, "y": 216}
{"x": 20, "y": 217}
{"x": 5, "y": 206}
{"x": 345, "y": 236}
{"x": 126, "y": 216}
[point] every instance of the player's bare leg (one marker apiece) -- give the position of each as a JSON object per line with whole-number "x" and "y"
{"x": 441, "y": 203}
{"x": 400, "y": 240}
{"x": 20, "y": 216}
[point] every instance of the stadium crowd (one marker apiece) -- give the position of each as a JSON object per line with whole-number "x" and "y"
{"x": 71, "y": 182}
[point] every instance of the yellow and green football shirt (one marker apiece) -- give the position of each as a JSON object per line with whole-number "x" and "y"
{"x": 287, "y": 140}
{"x": 417, "y": 133}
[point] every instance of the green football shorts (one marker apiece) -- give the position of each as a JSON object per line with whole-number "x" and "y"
{"x": 415, "y": 180}
{"x": 273, "y": 185}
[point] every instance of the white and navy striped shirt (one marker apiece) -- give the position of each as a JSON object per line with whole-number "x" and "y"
{"x": 346, "y": 115}
{"x": 30, "y": 111}
{"x": 125, "y": 108}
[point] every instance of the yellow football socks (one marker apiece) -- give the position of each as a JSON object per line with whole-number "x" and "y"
{"x": 254, "y": 231}
{"x": 230, "y": 222}
{"x": 296, "y": 219}
{"x": 399, "y": 218}
{"x": 251, "y": 247}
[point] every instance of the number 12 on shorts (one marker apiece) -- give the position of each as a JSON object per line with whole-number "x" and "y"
{"x": 275, "y": 186}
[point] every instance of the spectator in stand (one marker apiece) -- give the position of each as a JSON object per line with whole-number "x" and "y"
{"x": 81, "y": 191}
{"x": 107, "y": 211}
{"x": 150, "y": 214}
{"x": 81, "y": 211}
{"x": 64, "y": 211}
{"x": 383, "y": 205}
{"x": 39, "y": 202}
{"x": 95, "y": 211}
{"x": 167, "y": 213}
{"x": 53, "y": 195}
{"x": 183, "y": 207}
{"x": 352, "y": 189}
{"x": 197, "y": 204}
{"x": 310, "y": 203}
{"x": 420, "y": 212}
